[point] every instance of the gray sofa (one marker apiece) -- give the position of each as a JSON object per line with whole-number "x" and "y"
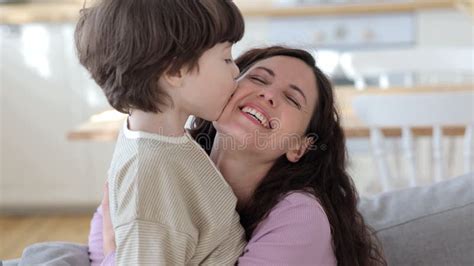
{"x": 431, "y": 225}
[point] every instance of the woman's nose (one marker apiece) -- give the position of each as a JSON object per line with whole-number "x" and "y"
{"x": 268, "y": 96}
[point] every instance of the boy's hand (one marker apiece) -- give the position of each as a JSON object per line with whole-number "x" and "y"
{"x": 108, "y": 229}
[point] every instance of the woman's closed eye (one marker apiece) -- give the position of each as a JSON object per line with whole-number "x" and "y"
{"x": 229, "y": 60}
{"x": 293, "y": 101}
{"x": 258, "y": 80}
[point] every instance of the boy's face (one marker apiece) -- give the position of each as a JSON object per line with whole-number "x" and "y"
{"x": 208, "y": 90}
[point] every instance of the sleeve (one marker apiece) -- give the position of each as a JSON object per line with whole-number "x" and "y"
{"x": 95, "y": 240}
{"x": 109, "y": 260}
{"x": 228, "y": 252}
{"x": 293, "y": 234}
{"x": 149, "y": 243}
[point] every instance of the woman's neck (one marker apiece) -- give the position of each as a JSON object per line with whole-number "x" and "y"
{"x": 168, "y": 123}
{"x": 241, "y": 170}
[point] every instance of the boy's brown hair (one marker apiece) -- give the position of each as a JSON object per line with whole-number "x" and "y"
{"x": 127, "y": 45}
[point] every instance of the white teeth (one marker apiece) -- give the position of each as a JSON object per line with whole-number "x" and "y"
{"x": 262, "y": 119}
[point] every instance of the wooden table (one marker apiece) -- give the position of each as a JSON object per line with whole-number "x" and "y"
{"x": 105, "y": 126}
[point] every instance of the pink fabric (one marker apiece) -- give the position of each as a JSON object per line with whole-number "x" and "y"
{"x": 96, "y": 251}
{"x": 296, "y": 232}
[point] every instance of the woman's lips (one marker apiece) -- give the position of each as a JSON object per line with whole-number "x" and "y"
{"x": 252, "y": 119}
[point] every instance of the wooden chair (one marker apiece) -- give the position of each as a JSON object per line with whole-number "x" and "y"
{"x": 405, "y": 111}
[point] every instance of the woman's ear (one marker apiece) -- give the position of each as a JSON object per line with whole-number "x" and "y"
{"x": 295, "y": 154}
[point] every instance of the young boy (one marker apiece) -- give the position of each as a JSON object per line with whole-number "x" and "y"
{"x": 161, "y": 61}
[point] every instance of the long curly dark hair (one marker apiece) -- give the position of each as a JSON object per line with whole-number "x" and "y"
{"x": 321, "y": 171}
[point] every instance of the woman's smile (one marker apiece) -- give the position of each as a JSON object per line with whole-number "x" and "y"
{"x": 256, "y": 115}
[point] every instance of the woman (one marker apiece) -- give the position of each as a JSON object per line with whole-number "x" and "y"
{"x": 281, "y": 148}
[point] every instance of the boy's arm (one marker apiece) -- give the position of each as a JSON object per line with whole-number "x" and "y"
{"x": 230, "y": 249}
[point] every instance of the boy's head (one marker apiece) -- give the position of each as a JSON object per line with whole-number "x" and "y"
{"x": 127, "y": 45}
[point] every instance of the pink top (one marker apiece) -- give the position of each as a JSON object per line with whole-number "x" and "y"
{"x": 296, "y": 232}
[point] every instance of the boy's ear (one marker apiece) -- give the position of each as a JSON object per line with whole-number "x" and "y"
{"x": 295, "y": 153}
{"x": 174, "y": 79}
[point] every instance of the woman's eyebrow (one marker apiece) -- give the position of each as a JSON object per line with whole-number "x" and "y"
{"x": 296, "y": 88}
{"x": 269, "y": 71}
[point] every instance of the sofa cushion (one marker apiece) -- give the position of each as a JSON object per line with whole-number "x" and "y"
{"x": 432, "y": 225}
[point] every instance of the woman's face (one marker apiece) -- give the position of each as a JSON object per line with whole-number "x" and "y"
{"x": 271, "y": 108}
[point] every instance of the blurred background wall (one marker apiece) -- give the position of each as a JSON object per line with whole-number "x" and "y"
{"x": 45, "y": 93}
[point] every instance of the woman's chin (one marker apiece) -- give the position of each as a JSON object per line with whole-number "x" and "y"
{"x": 230, "y": 129}
{"x": 238, "y": 127}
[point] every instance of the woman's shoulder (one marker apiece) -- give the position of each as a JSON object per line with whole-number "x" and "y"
{"x": 296, "y": 231}
{"x": 299, "y": 200}
{"x": 298, "y": 208}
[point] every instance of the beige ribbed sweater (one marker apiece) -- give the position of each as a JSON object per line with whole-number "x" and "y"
{"x": 169, "y": 204}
